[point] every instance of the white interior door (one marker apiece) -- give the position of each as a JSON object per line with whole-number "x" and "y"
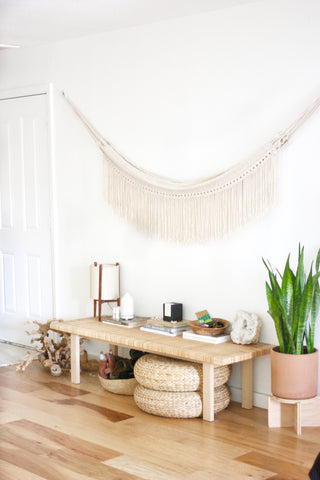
{"x": 25, "y": 235}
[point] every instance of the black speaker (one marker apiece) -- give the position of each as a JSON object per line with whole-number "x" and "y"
{"x": 172, "y": 312}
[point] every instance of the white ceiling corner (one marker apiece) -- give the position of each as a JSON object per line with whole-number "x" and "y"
{"x": 28, "y": 23}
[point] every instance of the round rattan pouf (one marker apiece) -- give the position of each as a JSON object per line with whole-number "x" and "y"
{"x": 171, "y": 375}
{"x": 178, "y": 404}
{"x": 173, "y": 388}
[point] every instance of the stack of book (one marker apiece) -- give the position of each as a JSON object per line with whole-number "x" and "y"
{"x": 171, "y": 329}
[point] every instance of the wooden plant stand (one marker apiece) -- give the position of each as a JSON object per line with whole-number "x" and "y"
{"x": 293, "y": 413}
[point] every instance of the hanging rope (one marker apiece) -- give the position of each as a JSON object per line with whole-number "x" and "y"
{"x": 197, "y": 210}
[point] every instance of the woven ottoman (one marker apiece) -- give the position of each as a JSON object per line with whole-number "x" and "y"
{"x": 173, "y": 388}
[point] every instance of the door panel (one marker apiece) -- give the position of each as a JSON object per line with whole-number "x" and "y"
{"x": 5, "y": 179}
{"x": 25, "y": 236}
{"x": 9, "y": 283}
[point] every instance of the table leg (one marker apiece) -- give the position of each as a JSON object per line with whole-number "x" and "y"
{"x": 75, "y": 358}
{"x": 247, "y": 383}
{"x": 208, "y": 392}
{"x": 113, "y": 349}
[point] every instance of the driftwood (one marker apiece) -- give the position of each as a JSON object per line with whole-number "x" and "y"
{"x": 54, "y": 355}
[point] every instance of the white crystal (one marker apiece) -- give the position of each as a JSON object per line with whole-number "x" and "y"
{"x": 246, "y": 328}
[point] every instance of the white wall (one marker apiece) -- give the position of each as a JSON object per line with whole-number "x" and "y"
{"x": 184, "y": 98}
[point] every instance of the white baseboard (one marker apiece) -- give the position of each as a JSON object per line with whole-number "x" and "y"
{"x": 259, "y": 399}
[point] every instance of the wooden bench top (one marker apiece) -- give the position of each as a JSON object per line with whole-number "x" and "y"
{"x": 177, "y": 347}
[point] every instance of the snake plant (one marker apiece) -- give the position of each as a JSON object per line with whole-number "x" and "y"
{"x": 294, "y": 302}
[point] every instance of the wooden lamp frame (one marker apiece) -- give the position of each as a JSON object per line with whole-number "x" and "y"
{"x": 99, "y": 300}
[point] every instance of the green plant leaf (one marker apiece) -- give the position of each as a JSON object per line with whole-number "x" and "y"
{"x": 275, "y": 312}
{"x": 318, "y": 261}
{"x": 273, "y": 280}
{"x": 297, "y": 294}
{"x": 287, "y": 290}
{"x": 294, "y": 305}
{"x": 315, "y": 305}
{"x": 277, "y": 292}
{"x": 304, "y": 312}
{"x": 300, "y": 270}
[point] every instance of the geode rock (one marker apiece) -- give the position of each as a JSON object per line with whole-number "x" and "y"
{"x": 246, "y": 328}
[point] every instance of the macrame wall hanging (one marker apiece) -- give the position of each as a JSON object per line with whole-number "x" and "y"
{"x": 200, "y": 210}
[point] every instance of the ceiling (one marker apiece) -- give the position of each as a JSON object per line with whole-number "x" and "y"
{"x": 26, "y": 23}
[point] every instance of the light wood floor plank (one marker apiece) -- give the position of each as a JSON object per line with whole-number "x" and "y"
{"x": 79, "y": 463}
{"x": 18, "y": 384}
{"x": 10, "y": 436}
{"x": 35, "y": 465}
{"x": 11, "y": 472}
{"x": 6, "y": 417}
{"x": 70, "y": 390}
{"x": 286, "y": 469}
{"x": 52, "y": 430}
{"x": 62, "y": 405}
{"x": 232, "y": 470}
{"x": 281, "y": 443}
{"x": 144, "y": 469}
{"x": 111, "y": 415}
{"x": 35, "y": 438}
{"x": 219, "y": 471}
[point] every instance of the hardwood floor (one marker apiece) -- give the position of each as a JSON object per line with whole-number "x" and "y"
{"x": 53, "y": 430}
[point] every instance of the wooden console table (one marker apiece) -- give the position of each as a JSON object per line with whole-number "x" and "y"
{"x": 209, "y": 355}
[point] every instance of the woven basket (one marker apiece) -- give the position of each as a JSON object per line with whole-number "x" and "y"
{"x": 170, "y": 375}
{"x": 178, "y": 404}
{"x": 120, "y": 386}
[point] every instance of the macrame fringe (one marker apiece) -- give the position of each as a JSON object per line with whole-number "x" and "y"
{"x": 194, "y": 216}
{"x": 200, "y": 210}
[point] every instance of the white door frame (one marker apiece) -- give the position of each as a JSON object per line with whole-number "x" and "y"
{"x": 33, "y": 90}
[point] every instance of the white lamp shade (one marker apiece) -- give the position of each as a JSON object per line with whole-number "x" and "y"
{"x": 109, "y": 282}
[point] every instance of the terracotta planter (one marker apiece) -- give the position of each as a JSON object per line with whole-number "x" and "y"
{"x": 294, "y": 376}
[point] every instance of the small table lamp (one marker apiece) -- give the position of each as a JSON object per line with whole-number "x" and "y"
{"x": 104, "y": 285}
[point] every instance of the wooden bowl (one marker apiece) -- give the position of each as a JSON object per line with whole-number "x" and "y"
{"x": 211, "y": 332}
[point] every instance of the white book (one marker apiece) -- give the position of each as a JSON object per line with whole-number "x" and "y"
{"x": 135, "y": 322}
{"x": 206, "y": 338}
{"x": 118, "y": 324}
{"x": 161, "y": 332}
